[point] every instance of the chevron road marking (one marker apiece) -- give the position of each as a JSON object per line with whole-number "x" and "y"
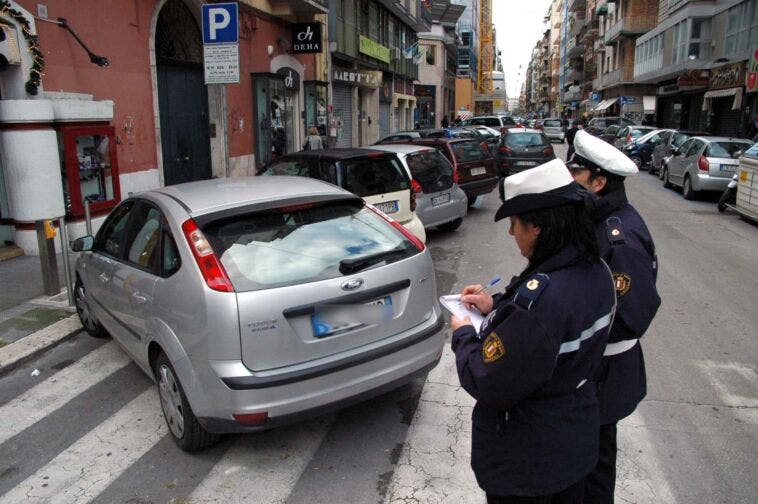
{"x": 49, "y": 395}
{"x": 93, "y": 462}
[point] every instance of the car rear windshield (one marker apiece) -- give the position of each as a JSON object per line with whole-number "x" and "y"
{"x": 431, "y": 169}
{"x": 486, "y": 121}
{"x": 726, "y": 149}
{"x": 679, "y": 139}
{"x": 468, "y": 151}
{"x": 508, "y": 121}
{"x": 374, "y": 175}
{"x": 524, "y": 140}
{"x": 553, "y": 123}
{"x": 283, "y": 247}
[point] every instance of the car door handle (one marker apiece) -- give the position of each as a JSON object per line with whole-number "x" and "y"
{"x": 139, "y": 298}
{"x": 103, "y": 277}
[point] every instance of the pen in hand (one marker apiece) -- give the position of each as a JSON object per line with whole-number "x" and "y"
{"x": 489, "y": 284}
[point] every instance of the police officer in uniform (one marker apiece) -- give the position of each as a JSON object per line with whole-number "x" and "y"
{"x": 530, "y": 364}
{"x": 626, "y": 245}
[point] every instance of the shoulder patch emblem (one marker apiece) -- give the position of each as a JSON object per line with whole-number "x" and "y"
{"x": 492, "y": 349}
{"x": 622, "y": 282}
{"x": 532, "y": 284}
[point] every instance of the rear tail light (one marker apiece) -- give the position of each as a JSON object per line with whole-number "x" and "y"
{"x": 211, "y": 268}
{"x": 415, "y": 189}
{"x": 629, "y": 138}
{"x": 455, "y": 175}
{"x": 503, "y": 129}
{"x": 410, "y": 236}
{"x": 548, "y": 151}
{"x": 251, "y": 419}
{"x": 505, "y": 151}
{"x": 703, "y": 164}
{"x": 484, "y": 146}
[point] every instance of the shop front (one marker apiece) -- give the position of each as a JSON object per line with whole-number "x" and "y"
{"x": 680, "y": 102}
{"x": 354, "y": 90}
{"x": 426, "y": 105}
{"x": 723, "y": 100}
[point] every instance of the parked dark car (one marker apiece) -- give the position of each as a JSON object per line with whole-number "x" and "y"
{"x": 472, "y": 161}
{"x": 522, "y": 148}
{"x": 627, "y": 134}
{"x": 597, "y": 125}
{"x": 669, "y": 141}
{"x": 610, "y": 134}
{"x": 641, "y": 150}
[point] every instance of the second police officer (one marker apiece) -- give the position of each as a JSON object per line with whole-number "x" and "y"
{"x": 626, "y": 245}
{"x": 530, "y": 365}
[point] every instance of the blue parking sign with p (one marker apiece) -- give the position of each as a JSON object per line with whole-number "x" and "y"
{"x": 220, "y": 23}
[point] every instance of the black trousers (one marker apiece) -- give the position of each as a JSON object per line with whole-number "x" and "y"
{"x": 601, "y": 483}
{"x": 571, "y": 495}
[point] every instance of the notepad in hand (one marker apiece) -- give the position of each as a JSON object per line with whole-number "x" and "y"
{"x": 452, "y": 303}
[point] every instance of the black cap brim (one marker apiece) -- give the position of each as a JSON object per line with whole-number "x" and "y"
{"x": 571, "y": 193}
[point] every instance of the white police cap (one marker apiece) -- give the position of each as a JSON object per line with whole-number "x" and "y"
{"x": 545, "y": 186}
{"x": 601, "y": 154}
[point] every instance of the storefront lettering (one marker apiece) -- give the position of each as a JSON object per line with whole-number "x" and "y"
{"x": 366, "y": 78}
{"x": 306, "y": 37}
{"x": 727, "y": 76}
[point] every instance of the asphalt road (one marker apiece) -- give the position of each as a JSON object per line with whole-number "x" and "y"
{"x": 88, "y": 428}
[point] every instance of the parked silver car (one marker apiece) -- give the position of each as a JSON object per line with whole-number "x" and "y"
{"x": 662, "y": 151}
{"x": 704, "y": 164}
{"x": 554, "y": 130}
{"x": 439, "y": 200}
{"x": 255, "y": 301}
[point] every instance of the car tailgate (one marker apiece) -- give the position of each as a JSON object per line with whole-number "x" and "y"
{"x": 722, "y": 167}
{"x": 285, "y": 326}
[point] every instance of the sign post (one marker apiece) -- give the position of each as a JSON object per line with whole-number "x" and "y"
{"x": 221, "y": 43}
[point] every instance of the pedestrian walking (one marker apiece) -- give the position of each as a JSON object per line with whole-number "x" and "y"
{"x": 576, "y": 125}
{"x": 530, "y": 364}
{"x": 313, "y": 140}
{"x": 626, "y": 245}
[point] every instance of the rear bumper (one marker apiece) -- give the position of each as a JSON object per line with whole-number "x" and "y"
{"x": 479, "y": 187}
{"x": 555, "y": 136}
{"x": 289, "y": 396}
{"x": 703, "y": 182}
{"x": 432, "y": 215}
{"x": 416, "y": 227}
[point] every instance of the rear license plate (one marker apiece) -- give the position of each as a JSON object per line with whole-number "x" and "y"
{"x": 728, "y": 168}
{"x": 526, "y": 163}
{"x": 388, "y": 207}
{"x": 478, "y": 171}
{"x": 335, "y": 319}
{"x": 441, "y": 199}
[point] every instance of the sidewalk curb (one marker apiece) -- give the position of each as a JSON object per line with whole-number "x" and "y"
{"x": 30, "y": 346}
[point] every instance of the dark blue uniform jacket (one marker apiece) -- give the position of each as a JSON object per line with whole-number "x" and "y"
{"x": 530, "y": 369}
{"x": 626, "y": 245}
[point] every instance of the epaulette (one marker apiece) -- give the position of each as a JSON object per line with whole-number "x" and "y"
{"x": 615, "y": 231}
{"x": 530, "y": 290}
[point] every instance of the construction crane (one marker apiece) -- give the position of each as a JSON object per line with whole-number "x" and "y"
{"x": 484, "y": 77}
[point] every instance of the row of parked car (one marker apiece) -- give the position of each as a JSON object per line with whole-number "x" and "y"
{"x": 695, "y": 161}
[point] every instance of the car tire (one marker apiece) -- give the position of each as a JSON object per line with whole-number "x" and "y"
{"x": 687, "y": 191}
{"x": 637, "y": 161}
{"x": 452, "y": 225}
{"x": 186, "y": 431}
{"x": 471, "y": 200}
{"x": 729, "y": 196}
{"x": 665, "y": 177}
{"x": 89, "y": 322}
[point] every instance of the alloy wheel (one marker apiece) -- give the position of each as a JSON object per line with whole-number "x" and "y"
{"x": 83, "y": 309}
{"x": 171, "y": 400}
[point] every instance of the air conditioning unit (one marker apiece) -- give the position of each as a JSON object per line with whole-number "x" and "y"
{"x": 10, "y": 52}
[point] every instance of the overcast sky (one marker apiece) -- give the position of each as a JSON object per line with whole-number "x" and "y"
{"x": 519, "y": 25}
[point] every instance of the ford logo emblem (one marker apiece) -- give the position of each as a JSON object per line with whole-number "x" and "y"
{"x": 352, "y": 284}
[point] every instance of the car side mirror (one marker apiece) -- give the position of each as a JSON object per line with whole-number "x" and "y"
{"x": 83, "y": 244}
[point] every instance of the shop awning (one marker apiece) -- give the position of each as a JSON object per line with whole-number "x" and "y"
{"x": 605, "y": 104}
{"x": 723, "y": 93}
{"x": 648, "y": 104}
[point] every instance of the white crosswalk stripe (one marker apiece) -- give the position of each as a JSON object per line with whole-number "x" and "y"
{"x": 262, "y": 468}
{"x": 54, "y": 392}
{"x": 88, "y": 466}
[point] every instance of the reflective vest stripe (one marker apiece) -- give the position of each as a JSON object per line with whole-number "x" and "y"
{"x": 620, "y": 347}
{"x": 601, "y": 323}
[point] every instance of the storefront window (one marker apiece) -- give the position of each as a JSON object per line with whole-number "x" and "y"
{"x": 315, "y": 107}
{"x": 274, "y": 110}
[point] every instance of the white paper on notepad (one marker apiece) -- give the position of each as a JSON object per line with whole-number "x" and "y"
{"x": 452, "y": 303}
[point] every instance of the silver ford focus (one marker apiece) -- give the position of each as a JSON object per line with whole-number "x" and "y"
{"x": 256, "y": 301}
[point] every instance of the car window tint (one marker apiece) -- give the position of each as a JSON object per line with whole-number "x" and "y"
{"x": 554, "y": 123}
{"x": 508, "y": 121}
{"x": 431, "y": 169}
{"x": 327, "y": 171}
{"x": 468, "y": 151}
{"x": 278, "y": 248}
{"x": 295, "y": 167}
{"x": 144, "y": 237}
{"x": 111, "y": 235}
{"x": 374, "y": 175}
{"x": 636, "y": 133}
{"x": 679, "y": 139}
{"x": 171, "y": 261}
{"x": 726, "y": 149}
{"x": 694, "y": 148}
{"x": 524, "y": 140}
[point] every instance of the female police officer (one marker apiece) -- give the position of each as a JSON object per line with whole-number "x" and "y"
{"x": 530, "y": 365}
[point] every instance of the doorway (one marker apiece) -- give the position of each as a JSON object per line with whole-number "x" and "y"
{"x": 182, "y": 96}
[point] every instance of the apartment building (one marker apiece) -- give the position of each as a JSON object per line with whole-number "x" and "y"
{"x": 556, "y": 48}
{"x": 467, "y": 62}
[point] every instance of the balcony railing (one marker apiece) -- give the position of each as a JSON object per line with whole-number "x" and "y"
{"x": 576, "y": 27}
{"x": 572, "y": 95}
{"x": 630, "y": 25}
{"x": 622, "y": 74}
{"x": 577, "y": 5}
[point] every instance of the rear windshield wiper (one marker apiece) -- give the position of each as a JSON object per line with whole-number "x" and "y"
{"x": 353, "y": 264}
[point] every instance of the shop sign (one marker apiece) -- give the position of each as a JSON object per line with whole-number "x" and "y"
{"x": 291, "y": 78}
{"x": 375, "y": 50}
{"x": 693, "y": 78}
{"x": 306, "y": 38}
{"x": 728, "y": 76}
{"x": 364, "y": 78}
{"x": 751, "y": 81}
{"x": 424, "y": 90}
